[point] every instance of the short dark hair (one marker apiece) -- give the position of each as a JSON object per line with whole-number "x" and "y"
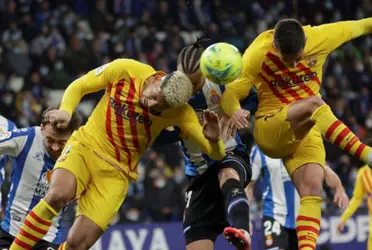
{"x": 289, "y": 36}
{"x": 74, "y": 124}
{"x": 189, "y": 57}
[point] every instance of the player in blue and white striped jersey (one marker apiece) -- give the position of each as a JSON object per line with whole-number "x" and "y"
{"x": 33, "y": 152}
{"x": 5, "y": 125}
{"x": 281, "y": 200}
{"x": 216, "y": 189}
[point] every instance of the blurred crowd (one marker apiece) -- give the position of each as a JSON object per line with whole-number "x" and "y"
{"x": 45, "y": 45}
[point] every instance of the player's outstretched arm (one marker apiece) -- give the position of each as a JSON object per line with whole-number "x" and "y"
{"x": 335, "y": 34}
{"x": 206, "y": 137}
{"x": 355, "y": 202}
{"x": 240, "y": 89}
{"x": 95, "y": 80}
{"x": 334, "y": 182}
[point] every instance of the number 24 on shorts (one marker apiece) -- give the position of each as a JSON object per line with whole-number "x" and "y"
{"x": 271, "y": 227}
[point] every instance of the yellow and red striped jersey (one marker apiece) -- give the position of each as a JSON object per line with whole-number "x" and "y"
{"x": 120, "y": 129}
{"x": 279, "y": 84}
{"x": 363, "y": 187}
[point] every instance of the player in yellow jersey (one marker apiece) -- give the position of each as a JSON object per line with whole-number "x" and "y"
{"x": 363, "y": 187}
{"x": 286, "y": 66}
{"x": 101, "y": 158}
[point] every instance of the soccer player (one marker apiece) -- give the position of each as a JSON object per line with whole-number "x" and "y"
{"x": 216, "y": 188}
{"x": 363, "y": 187}
{"x": 281, "y": 200}
{"x": 34, "y": 152}
{"x": 101, "y": 158}
{"x": 5, "y": 125}
{"x": 286, "y": 66}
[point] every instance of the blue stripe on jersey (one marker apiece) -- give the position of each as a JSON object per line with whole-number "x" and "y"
{"x": 11, "y": 125}
{"x": 254, "y": 153}
{"x": 289, "y": 190}
{"x": 268, "y": 205}
{"x": 190, "y": 169}
{"x": 222, "y": 88}
{"x": 17, "y": 174}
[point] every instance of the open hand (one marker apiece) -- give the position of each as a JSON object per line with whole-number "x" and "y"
{"x": 341, "y": 199}
{"x": 340, "y": 226}
{"x": 211, "y": 126}
{"x": 240, "y": 118}
{"x": 60, "y": 118}
{"x": 228, "y": 129}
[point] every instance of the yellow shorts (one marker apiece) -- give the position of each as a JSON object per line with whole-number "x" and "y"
{"x": 101, "y": 189}
{"x": 274, "y": 136}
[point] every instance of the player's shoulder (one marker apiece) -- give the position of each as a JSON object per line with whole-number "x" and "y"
{"x": 364, "y": 169}
{"x": 254, "y": 55}
{"x": 20, "y": 134}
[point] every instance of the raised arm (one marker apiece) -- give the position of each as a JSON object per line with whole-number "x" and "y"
{"x": 191, "y": 129}
{"x": 333, "y": 35}
{"x": 95, "y": 80}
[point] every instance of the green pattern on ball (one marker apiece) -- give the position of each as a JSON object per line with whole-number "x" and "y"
{"x": 221, "y": 63}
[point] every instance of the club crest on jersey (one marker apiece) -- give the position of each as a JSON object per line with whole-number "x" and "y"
{"x": 215, "y": 98}
{"x": 311, "y": 61}
{"x": 64, "y": 154}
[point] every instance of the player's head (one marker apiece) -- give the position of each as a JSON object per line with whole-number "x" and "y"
{"x": 188, "y": 62}
{"x": 290, "y": 40}
{"x": 54, "y": 138}
{"x": 170, "y": 91}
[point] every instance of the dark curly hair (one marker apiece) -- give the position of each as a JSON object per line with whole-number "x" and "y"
{"x": 189, "y": 57}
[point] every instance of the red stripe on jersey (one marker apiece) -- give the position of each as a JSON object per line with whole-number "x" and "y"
{"x": 350, "y": 144}
{"x": 119, "y": 123}
{"x": 132, "y": 109}
{"x": 271, "y": 73}
{"x": 109, "y": 127}
{"x": 367, "y": 182}
{"x": 276, "y": 60}
{"x": 281, "y": 97}
{"x": 308, "y": 71}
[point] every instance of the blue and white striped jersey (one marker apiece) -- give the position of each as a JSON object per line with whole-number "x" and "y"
{"x": 29, "y": 182}
{"x": 280, "y": 198}
{"x": 209, "y": 97}
{"x": 5, "y": 125}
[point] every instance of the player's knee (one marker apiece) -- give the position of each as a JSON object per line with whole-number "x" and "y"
{"x": 76, "y": 243}
{"x": 311, "y": 186}
{"x": 57, "y": 199}
{"x": 313, "y": 103}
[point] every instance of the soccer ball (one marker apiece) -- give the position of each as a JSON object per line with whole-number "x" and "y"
{"x": 221, "y": 63}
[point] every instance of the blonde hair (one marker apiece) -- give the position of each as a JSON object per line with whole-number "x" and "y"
{"x": 177, "y": 89}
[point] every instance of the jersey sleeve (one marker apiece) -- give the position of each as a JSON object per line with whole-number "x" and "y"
{"x": 357, "y": 199}
{"x": 13, "y": 142}
{"x": 192, "y": 130}
{"x": 95, "y": 80}
{"x": 256, "y": 163}
{"x": 240, "y": 88}
{"x": 334, "y": 35}
{"x": 251, "y": 102}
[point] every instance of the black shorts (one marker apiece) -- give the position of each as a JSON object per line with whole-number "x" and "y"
{"x": 278, "y": 237}
{"x": 7, "y": 239}
{"x": 205, "y": 215}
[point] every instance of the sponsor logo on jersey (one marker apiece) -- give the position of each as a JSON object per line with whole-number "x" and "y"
{"x": 100, "y": 69}
{"x": 122, "y": 111}
{"x": 215, "y": 98}
{"x": 294, "y": 81}
{"x": 5, "y": 135}
{"x": 42, "y": 186}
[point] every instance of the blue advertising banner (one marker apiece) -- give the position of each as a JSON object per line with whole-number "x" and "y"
{"x": 168, "y": 236}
